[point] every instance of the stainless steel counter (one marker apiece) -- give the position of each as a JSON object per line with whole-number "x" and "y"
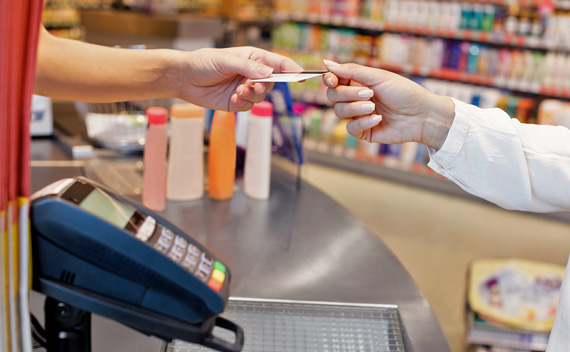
{"x": 299, "y": 245}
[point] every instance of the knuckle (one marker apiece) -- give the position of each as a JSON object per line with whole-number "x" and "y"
{"x": 331, "y": 94}
{"x": 338, "y": 110}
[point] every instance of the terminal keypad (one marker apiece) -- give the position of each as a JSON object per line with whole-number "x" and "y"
{"x": 191, "y": 258}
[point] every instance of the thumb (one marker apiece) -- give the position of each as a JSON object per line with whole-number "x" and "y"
{"x": 367, "y": 76}
{"x": 245, "y": 67}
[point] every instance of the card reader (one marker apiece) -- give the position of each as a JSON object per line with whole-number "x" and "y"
{"x": 101, "y": 252}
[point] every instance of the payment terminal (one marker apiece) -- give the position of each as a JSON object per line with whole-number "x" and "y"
{"x": 100, "y": 252}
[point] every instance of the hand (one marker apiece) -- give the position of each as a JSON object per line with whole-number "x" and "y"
{"x": 387, "y": 108}
{"x": 217, "y": 78}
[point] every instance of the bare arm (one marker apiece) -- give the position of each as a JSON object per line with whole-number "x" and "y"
{"x": 213, "y": 78}
{"x": 85, "y": 72}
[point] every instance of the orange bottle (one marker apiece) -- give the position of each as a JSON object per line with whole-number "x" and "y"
{"x": 222, "y": 156}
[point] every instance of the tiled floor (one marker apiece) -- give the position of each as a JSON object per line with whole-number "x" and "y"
{"x": 436, "y": 236}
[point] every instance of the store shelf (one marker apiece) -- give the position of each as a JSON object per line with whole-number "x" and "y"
{"x": 489, "y": 81}
{"x": 515, "y": 85}
{"x": 504, "y": 39}
{"x": 140, "y": 24}
{"x": 430, "y": 182}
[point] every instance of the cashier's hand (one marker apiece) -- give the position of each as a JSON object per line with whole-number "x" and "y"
{"x": 218, "y": 78}
{"x": 387, "y": 108}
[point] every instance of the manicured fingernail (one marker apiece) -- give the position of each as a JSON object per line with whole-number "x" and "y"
{"x": 330, "y": 63}
{"x": 374, "y": 120}
{"x": 329, "y": 81}
{"x": 234, "y": 99}
{"x": 265, "y": 71}
{"x": 367, "y": 108}
{"x": 366, "y": 93}
{"x": 240, "y": 90}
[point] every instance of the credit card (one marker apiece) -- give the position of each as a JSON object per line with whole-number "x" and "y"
{"x": 291, "y": 76}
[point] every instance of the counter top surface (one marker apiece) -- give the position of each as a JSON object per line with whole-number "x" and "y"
{"x": 298, "y": 245}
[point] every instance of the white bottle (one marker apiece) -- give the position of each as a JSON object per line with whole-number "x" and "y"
{"x": 242, "y": 118}
{"x": 185, "y": 179}
{"x": 257, "y": 171}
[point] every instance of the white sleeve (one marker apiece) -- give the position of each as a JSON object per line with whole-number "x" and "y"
{"x": 516, "y": 166}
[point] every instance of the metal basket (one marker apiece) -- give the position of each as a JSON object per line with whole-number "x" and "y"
{"x": 119, "y": 126}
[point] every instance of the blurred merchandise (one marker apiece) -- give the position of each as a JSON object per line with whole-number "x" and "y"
{"x": 327, "y": 134}
{"x": 62, "y": 19}
{"x": 529, "y": 71}
{"x": 512, "y": 302}
{"x": 247, "y": 10}
{"x": 169, "y": 7}
{"x": 530, "y": 23}
{"x": 120, "y": 126}
{"x": 42, "y": 116}
{"x": 82, "y": 4}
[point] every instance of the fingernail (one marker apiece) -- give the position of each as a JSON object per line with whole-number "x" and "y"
{"x": 329, "y": 81}
{"x": 367, "y": 93}
{"x": 265, "y": 71}
{"x": 329, "y": 63}
{"x": 367, "y": 108}
{"x": 374, "y": 120}
{"x": 234, "y": 99}
{"x": 240, "y": 90}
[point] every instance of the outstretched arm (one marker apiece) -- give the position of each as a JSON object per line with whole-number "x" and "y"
{"x": 484, "y": 151}
{"x": 213, "y": 78}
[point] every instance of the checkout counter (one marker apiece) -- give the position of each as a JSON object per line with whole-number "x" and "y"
{"x": 298, "y": 245}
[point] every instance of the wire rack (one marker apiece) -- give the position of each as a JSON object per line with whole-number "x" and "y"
{"x": 120, "y": 126}
{"x": 284, "y": 326}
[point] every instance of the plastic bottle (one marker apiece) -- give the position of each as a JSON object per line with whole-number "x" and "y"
{"x": 257, "y": 173}
{"x": 185, "y": 177}
{"x": 547, "y": 111}
{"x": 154, "y": 172}
{"x": 222, "y": 156}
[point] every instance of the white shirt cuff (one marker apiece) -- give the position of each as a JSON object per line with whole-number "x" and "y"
{"x": 453, "y": 144}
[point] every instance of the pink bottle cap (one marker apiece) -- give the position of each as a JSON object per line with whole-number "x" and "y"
{"x": 263, "y": 109}
{"x": 298, "y": 109}
{"x": 157, "y": 115}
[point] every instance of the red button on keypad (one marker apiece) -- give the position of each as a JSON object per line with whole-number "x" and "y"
{"x": 215, "y": 284}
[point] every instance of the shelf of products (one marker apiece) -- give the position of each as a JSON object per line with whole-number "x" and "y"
{"x": 524, "y": 71}
{"x": 62, "y": 19}
{"x": 531, "y": 24}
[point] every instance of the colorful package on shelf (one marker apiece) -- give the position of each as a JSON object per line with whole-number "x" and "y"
{"x": 515, "y": 293}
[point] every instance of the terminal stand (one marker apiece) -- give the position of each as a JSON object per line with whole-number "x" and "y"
{"x": 68, "y": 329}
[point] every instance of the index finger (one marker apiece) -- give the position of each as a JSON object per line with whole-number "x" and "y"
{"x": 279, "y": 62}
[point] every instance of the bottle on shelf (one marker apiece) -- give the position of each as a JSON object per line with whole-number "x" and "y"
{"x": 222, "y": 156}
{"x": 154, "y": 172}
{"x": 257, "y": 173}
{"x": 185, "y": 176}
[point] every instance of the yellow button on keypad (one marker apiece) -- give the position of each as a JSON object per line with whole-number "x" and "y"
{"x": 218, "y": 275}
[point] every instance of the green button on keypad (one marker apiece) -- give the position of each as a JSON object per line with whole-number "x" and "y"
{"x": 221, "y": 267}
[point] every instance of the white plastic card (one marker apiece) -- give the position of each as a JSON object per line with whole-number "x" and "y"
{"x": 291, "y": 76}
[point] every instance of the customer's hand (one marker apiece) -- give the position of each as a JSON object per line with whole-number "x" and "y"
{"x": 387, "y": 108}
{"x": 217, "y": 78}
